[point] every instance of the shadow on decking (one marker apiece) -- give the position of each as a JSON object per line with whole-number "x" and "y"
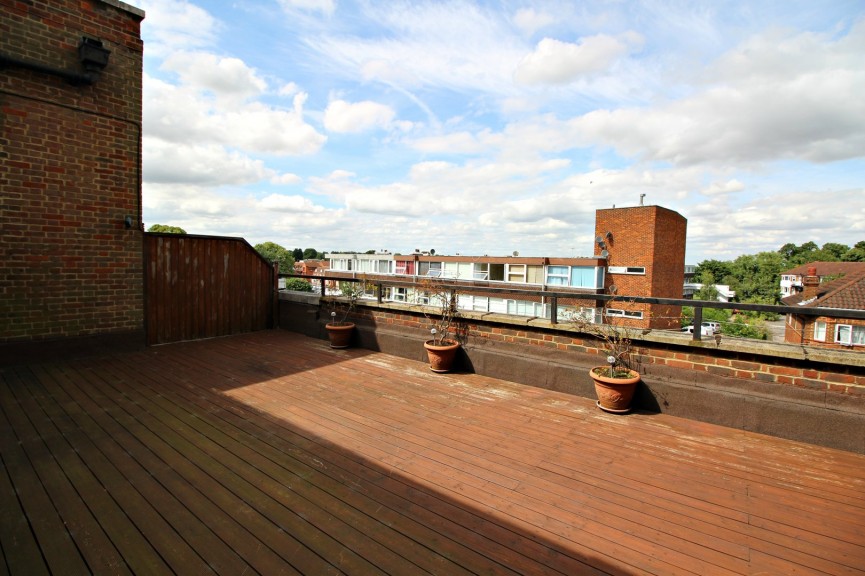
{"x": 272, "y": 452}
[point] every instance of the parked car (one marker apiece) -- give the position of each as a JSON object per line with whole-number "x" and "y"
{"x": 706, "y": 328}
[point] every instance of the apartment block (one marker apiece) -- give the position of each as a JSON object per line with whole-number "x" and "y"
{"x": 637, "y": 251}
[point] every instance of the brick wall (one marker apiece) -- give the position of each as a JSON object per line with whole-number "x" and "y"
{"x": 70, "y": 172}
{"x": 689, "y": 361}
{"x": 803, "y": 331}
{"x": 652, "y": 237}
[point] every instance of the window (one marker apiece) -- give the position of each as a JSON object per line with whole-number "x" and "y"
{"x": 590, "y": 315}
{"x": 820, "y": 330}
{"x": 398, "y": 294}
{"x": 451, "y": 270}
{"x": 524, "y": 308}
{"x": 481, "y": 271}
{"x": 624, "y": 313}
{"x": 516, "y": 272}
{"x": 433, "y": 269}
{"x": 627, "y": 269}
{"x": 480, "y": 304}
{"x": 383, "y": 266}
{"x": 535, "y": 274}
{"x": 557, "y": 275}
{"x": 850, "y": 335}
{"x": 576, "y": 276}
{"x": 340, "y": 264}
{"x": 587, "y": 277}
{"x": 405, "y": 267}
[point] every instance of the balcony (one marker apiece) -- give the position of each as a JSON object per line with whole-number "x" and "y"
{"x": 269, "y": 452}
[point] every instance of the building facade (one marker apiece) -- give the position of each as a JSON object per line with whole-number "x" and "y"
{"x": 637, "y": 252}
{"x": 645, "y": 248}
{"x": 70, "y": 171}
{"x": 846, "y": 292}
{"x": 792, "y": 281}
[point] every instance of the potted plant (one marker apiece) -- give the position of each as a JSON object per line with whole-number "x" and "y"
{"x": 442, "y": 347}
{"x": 339, "y": 329}
{"x": 617, "y": 380}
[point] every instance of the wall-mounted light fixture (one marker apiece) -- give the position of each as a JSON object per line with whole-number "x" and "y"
{"x": 128, "y": 222}
{"x": 91, "y": 53}
{"x": 93, "y": 57}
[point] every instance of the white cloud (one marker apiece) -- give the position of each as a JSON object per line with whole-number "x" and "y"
{"x": 226, "y": 78}
{"x": 557, "y": 62}
{"x": 495, "y": 140}
{"x": 758, "y": 114}
{"x": 721, "y": 188}
{"x": 286, "y": 178}
{"x": 176, "y": 25}
{"x": 294, "y": 204}
{"x": 530, "y": 21}
{"x": 202, "y": 164}
{"x": 346, "y": 117}
{"x": 326, "y": 7}
{"x": 289, "y": 89}
{"x": 445, "y": 45}
{"x": 462, "y": 142}
{"x": 182, "y": 115}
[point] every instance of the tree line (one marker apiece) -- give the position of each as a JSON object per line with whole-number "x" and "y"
{"x": 756, "y": 277}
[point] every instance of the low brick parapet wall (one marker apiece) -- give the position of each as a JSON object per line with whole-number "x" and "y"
{"x": 811, "y": 395}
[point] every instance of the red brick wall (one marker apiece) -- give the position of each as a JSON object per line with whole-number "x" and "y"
{"x": 652, "y": 237}
{"x": 805, "y": 332}
{"x": 70, "y": 170}
{"x": 839, "y": 379}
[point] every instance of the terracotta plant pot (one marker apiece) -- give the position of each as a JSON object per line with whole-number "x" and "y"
{"x": 441, "y": 356}
{"x": 340, "y": 334}
{"x": 614, "y": 394}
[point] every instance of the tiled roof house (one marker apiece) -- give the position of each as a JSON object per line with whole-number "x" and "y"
{"x": 847, "y": 292}
{"x": 792, "y": 280}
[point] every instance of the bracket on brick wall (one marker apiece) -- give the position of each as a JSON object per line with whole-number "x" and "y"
{"x": 91, "y": 53}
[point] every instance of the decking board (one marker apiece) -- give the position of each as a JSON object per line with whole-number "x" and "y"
{"x": 272, "y": 453}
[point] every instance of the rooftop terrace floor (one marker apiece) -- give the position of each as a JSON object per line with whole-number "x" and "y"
{"x": 271, "y": 453}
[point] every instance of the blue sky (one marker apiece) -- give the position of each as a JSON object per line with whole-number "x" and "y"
{"x": 490, "y": 127}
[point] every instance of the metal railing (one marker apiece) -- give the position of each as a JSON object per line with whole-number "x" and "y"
{"x": 552, "y": 297}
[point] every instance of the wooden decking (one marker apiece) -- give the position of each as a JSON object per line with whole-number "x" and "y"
{"x": 271, "y": 453}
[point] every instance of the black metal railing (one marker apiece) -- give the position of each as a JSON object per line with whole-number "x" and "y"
{"x": 552, "y": 297}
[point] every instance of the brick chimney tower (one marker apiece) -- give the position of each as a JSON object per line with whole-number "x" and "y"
{"x": 810, "y": 284}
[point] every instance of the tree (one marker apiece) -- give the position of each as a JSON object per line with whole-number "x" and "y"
{"x": 166, "y": 229}
{"x": 856, "y": 253}
{"x": 833, "y": 251}
{"x": 273, "y": 252}
{"x": 297, "y": 254}
{"x": 711, "y": 271}
{"x": 708, "y": 292}
{"x": 796, "y": 255}
{"x": 297, "y": 284}
{"x": 757, "y": 277}
{"x": 310, "y": 254}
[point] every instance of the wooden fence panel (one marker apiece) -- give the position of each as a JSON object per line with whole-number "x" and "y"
{"x": 205, "y": 286}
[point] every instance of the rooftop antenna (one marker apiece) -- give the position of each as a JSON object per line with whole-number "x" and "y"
{"x": 641, "y": 198}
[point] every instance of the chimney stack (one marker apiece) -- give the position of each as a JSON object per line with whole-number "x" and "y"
{"x": 810, "y": 284}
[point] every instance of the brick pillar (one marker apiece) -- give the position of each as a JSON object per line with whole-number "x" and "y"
{"x": 646, "y": 257}
{"x": 70, "y": 173}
